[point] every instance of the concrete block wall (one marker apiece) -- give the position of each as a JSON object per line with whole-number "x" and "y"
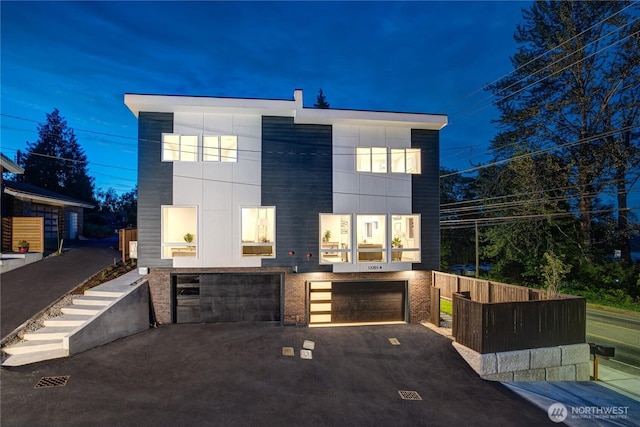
{"x": 561, "y": 363}
{"x": 295, "y": 298}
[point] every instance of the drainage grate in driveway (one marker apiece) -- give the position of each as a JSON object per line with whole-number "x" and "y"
{"x": 52, "y": 382}
{"x": 409, "y": 395}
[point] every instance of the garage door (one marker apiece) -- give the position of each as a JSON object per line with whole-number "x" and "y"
{"x": 225, "y": 297}
{"x": 357, "y": 302}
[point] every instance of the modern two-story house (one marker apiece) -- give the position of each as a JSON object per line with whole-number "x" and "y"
{"x": 264, "y": 210}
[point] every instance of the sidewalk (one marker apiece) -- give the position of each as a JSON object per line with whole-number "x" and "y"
{"x": 617, "y": 391}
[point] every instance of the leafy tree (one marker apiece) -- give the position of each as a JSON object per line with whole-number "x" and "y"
{"x": 107, "y": 200}
{"x": 562, "y": 100}
{"x": 128, "y": 205}
{"x": 554, "y": 270}
{"x": 56, "y": 161}
{"x": 321, "y": 101}
{"x": 457, "y": 201}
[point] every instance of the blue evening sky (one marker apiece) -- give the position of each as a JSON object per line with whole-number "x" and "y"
{"x": 82, "y": 57}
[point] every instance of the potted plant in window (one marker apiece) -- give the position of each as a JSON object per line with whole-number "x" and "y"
{"x": 327, "y": 236}
{"x": 23, "y": 246}
{"x": 188, "y": 238}
{"x": 396, "y": 243}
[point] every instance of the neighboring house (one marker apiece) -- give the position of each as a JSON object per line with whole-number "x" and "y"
{"x": 263, "y": 210}
{"x": 63, "y": 215}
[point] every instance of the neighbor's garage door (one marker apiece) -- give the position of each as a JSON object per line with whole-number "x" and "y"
{"x": 357, "y": 302}
{"x": 227, "y": 297}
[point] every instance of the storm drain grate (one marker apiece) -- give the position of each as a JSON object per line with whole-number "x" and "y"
{"x": 409, "y": 395}
{"x": 52, "y": 382}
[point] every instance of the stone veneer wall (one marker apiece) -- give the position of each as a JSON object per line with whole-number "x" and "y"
{"x": 295, "y": 298}
{"x": 561, "y": 363}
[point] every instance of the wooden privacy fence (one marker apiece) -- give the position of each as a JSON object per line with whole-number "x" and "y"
{"x": 483, "y": 290}
{"x": 30, "y": 229}
{"x": 518, "y": 325}
{"x": 125, "y": 236}
{"x": 491, "y": 317}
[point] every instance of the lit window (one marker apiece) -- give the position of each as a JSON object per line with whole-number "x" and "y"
{"x": 210, "y": 148}
{"x": 405, "y": 238}
{"x": 222, "y": 148}
{"x": 335, "y": 238}
{"x": 176, "y": 147}
{"x": 371, "y": 159}
{"x": 258, "y": 231}
{"x": 179, "y": 231}
{"x": 405, "y": 160}
{"x": 371, "y": 238}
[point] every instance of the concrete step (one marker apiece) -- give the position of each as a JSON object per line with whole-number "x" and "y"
{"x": 81, "y": 309}
{"x": 93, "y": 300}
{"x": 68, "y": 320}
{"x": 36, "y": 356}
{"x": 25, "y": 347}
{"x": 103, "y": 293}
{"x": 49, "y": 333}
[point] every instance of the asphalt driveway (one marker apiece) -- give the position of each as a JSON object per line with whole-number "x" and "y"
{"x": 236, "y": 375}
{"x": 27, "y": 290}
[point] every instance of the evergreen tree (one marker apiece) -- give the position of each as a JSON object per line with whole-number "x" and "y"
{"x": 321, "y": 102}
{"x": 56, "y": 161}
{"x": 557, "y": 104}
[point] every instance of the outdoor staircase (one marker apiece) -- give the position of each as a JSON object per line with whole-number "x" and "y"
{"x": 49, "y": 342}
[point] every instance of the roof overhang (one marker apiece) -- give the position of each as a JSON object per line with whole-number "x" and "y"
{"x": 292, "y": 108}
{"x": 10, "y": 166}
{"x": 45, "y": 200}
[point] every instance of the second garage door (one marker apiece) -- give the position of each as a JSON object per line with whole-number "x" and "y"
{"x": 226, "y": 297}
{"x": 357, "y": 302}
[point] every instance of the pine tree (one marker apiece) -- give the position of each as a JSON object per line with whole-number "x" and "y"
{"x": 56, "y": 161}
{"x": 321, "y": 102}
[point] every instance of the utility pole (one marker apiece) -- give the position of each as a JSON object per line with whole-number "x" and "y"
{"x": 477, "y": 252}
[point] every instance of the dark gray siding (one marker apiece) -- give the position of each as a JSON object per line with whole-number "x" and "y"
{"x": 155, "y": 186}
{"x": 297, "y": 179}
{"x": 425, "y": 189}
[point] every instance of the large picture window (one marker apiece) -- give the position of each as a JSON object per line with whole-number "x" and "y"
{"x": 371, "y": 159}
{"x": 258, "y": 231}
{"x": 335, "y": 238}
{"x": 405, "y": 238}
{"x": 177, "y": 147}
{"x": 371, "y": 238}
{"x": 222, "y": 148}
{"x": 405, "y": 160}
{"x": 179, "y": 231}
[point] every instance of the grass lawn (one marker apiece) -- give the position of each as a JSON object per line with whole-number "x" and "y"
{"x": 446, "y": 306}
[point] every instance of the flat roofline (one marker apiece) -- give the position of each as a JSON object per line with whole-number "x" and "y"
{"x": 292, "y": 107}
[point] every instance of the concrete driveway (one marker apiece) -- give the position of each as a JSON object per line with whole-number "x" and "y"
{"x": 27, "y": 290}
{"x": 235, "y": 374}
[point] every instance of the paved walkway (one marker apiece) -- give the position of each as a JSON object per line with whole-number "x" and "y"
{"x": 27, "y": 290}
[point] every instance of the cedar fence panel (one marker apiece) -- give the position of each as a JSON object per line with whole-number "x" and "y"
{"x": 493, "y": 317}
{"x": 435, "y": 306}
{"x": 30, "y": 229}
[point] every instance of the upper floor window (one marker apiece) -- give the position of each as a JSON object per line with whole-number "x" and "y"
{"x": 335, "y": 246}
{"x": 179, "y": 231}
{"x": 371, "y": 159}
{"x": 223, "y": 148}
{"x": 371, "y": 238}
{"x": 177, "y": 147}
{"x": 258, "y": 231}
{"x": 405, "y": 238}
{"x": 405, "y": 160}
